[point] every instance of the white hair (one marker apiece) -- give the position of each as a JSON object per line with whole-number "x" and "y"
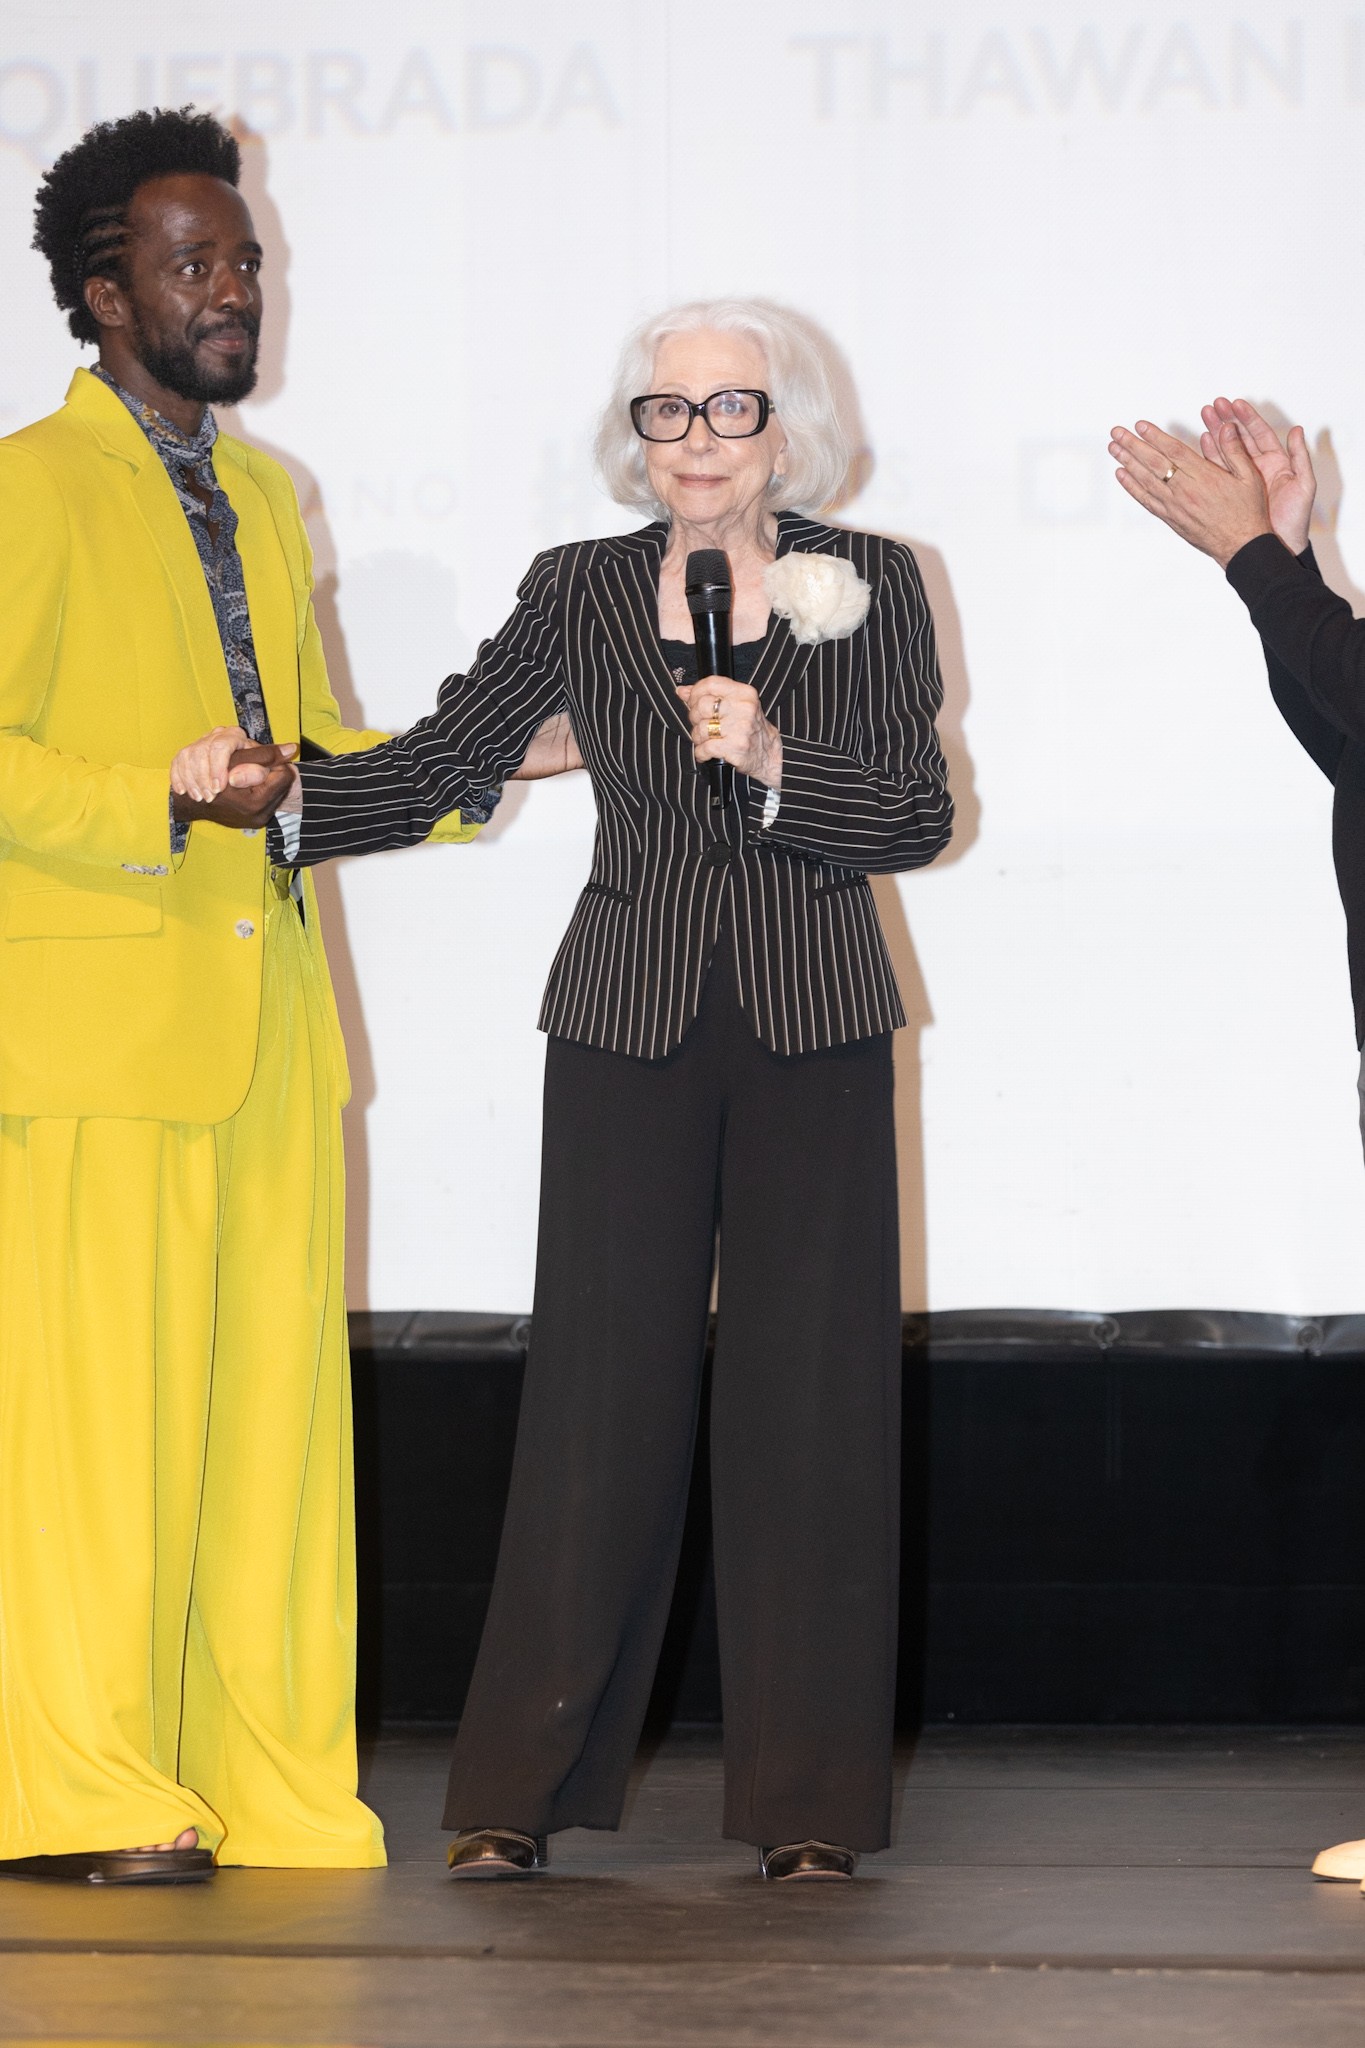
{"x": 819, "y": 448}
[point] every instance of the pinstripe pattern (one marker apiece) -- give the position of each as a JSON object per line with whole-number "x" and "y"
{"x": 863, "y": 790}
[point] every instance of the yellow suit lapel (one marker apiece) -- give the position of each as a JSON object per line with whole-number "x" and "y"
{"x": 160, "y": 511}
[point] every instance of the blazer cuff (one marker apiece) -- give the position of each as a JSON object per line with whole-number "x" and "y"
{"x": 132, "y": 828}
{"x": 817, "y": 784}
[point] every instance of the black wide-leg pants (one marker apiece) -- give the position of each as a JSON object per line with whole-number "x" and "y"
{"x": 793, "y": 1159}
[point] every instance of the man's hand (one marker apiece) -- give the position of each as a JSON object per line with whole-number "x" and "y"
{"x": 553, "y": 751}
{"x": 249, "y": 770}
{"x": 1217, "y": 506}
{"x": 225, "y": 780}
{"x": 1285, "y": 467}
{"x": 745, "y": 738}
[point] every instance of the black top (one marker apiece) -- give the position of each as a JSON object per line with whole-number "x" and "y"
{"x": 1315, "y": 652}
{"x": 743, "y": 658}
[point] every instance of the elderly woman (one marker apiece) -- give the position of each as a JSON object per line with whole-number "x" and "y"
{"x": 718, "y": 1073}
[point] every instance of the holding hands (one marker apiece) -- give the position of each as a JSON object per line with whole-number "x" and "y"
{"x": 226, "y": 780}
{"x": 1241, "y": 481}
{"x": 728, "y": 725}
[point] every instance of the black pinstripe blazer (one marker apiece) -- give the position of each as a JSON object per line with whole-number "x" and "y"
{"x": 863, "y": 789}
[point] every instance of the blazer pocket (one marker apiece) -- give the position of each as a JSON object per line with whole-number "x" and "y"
{"x": 80, "y": 914}
{"x": 837, "y": 888}
{"x": 605, "y": 889}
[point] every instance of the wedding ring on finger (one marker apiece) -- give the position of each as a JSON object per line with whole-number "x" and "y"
{"x": 713, "y": 728}
{"x": 1169, "y": 473}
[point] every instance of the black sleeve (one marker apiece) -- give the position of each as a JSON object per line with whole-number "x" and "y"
{"x": 456, "y": 758}
{"x": 1315, "y": 733}
{"x": 1314, "y": 647}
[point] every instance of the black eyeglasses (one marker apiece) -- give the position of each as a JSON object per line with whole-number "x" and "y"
{"x": 731, "y": 415}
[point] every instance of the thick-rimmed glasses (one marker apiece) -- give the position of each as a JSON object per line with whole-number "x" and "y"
{"x": 731, "y": 415}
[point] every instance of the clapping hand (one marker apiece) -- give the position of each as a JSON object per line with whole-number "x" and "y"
{"x": 1215, "y": 501}
{"x": 1285, "y": 467}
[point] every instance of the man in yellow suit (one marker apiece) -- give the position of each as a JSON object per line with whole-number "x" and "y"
{"x": 177, "y": 1586}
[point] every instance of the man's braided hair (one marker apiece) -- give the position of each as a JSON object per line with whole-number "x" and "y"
{"x": 80, "y": 223}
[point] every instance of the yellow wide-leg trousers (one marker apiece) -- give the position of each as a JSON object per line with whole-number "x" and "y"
{"x": 177, "y": 1568}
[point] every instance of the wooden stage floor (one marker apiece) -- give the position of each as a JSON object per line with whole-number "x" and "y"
{"x": 1127, "y": 1888}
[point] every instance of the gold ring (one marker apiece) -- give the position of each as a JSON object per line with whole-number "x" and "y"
{"x": 713, "y": 728}
{"x": 1169, "y": 474}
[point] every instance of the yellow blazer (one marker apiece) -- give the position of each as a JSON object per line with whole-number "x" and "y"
{"x": 130, "y": 982}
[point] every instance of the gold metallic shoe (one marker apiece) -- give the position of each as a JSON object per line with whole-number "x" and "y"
{"x": 496, "y": 1852}
{"x": 796, "y": 1861}
{"x": 1343, "y": 1861}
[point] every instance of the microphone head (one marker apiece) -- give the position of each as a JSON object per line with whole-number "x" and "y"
{"x": 707, "y": 581}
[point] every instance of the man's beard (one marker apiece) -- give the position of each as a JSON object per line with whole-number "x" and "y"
{"x": 177, "y": 368}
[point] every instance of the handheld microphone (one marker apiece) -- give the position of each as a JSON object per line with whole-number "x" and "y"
{"x": 710, "y": 595}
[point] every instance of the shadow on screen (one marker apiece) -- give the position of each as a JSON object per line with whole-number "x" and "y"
{"x": 900, "y": 943}
{"x": 966, "y": 827}
{"x": 1326, "y": 512}
{"x": 274, "y": 347}
{"x": 414, "y": 594}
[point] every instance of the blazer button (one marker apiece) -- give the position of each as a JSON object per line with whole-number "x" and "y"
{"x": 719, "y": 854}
{"x": 244, "y": 928}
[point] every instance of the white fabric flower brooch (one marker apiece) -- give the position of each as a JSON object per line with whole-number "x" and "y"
{"x": 822, "y": 596}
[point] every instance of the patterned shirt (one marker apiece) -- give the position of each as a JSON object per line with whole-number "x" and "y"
{"x": 189, "y": 458}
{"x": 214, "y": 526}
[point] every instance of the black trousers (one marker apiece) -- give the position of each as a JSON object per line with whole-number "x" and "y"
{"x": 794, "y": 1160}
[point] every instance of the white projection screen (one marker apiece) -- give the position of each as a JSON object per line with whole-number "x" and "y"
{"x": 1130, "y": 1076}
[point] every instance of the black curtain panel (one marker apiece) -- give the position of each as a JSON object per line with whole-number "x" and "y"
{"x": 1147, "y": 1517}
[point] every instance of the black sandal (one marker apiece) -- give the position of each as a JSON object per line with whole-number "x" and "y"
{"x": 798, "y": 1862}
{"x": 496, "y": 1852}
{"x": 114, "y": 1866}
